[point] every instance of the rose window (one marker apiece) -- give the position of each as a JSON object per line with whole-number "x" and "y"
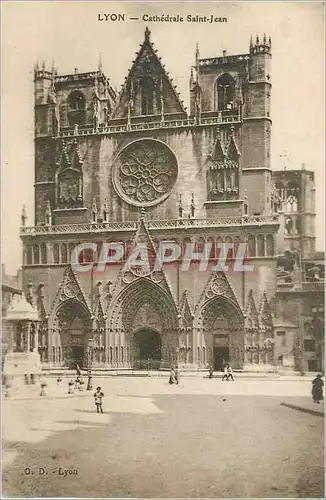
{"x": 145, "y": 172}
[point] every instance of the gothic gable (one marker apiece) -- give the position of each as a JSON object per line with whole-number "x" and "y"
{"x": 69, "y": 189}
{"x": 265, "y": 315}
{"x": 70, "y": 289}
{"x": 140, "y": 284}
{"x": 251, "y": 321}
{"x": 98, "y": 308}
{"x": 185, "y": 312}
{"x": 224, "y": 156}
{"x": 223, "y": 167}
{"x": 148, "y": 90}
{"x": 143, "y": 246}
{"x": 217, "y": 286}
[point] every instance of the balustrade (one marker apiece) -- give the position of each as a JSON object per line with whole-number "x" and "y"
{"x": 127, "y": 127}
{"x": 151, "y": 224}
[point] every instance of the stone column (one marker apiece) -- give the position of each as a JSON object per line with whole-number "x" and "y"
{"x": 106, "y": 345}
{"x": 37, "y": 326}
{"x": 28, "y": 336}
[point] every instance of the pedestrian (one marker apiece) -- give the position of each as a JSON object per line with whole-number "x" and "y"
{"x": 225, "y": 374}
{"x": 172, "y": 377}
{"x": 317, "y": 389}
{"x": 230, "y": 373}
{"x": 77, "y": 384}
{"x": 78, "y": 371}
{"x": 98, "y": 396}
{"x": 211, "y": 371}
{"x": 177, "y": 376}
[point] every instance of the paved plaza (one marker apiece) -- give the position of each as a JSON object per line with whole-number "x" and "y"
{"x": 203, "y": 438}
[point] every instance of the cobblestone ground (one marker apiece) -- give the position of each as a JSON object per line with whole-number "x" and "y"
{"x": 203, "y": 438}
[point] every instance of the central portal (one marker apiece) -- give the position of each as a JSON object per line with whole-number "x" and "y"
{"x": 148, "y": 349}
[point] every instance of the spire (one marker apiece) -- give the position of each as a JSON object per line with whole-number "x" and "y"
{"x": 257, "y": 40}
{"x": 147, "y": 34}
{"x": 197, "y": 62}
{"x": 192, "y": 206}
{"x": 100, "y": 66}
{"x": 23, "y": 216}
{"x": 264, "y": 39}
{"x": 180, "y": 207}
{"x": 48, "y": 214}
{"x": 43, "y": 65}
{"x": 270, "y": 42}
{"x": 129, "y": 114}
{"x": 105, "y": 210}
{"x": 94, "y": 211}
{"x": 162, "y": 98}
{"x": 251, "y": 45}
{"x": 36, "y": 67}
{"x": 191, "y": 81}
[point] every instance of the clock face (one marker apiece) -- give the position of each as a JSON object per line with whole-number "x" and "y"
{"x": 145, "y": 172}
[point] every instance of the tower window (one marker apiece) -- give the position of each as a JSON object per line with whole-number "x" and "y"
{"x": 76, "y": 101}
{"x": 224, "y": 93}
{"x": 76, "y": 108}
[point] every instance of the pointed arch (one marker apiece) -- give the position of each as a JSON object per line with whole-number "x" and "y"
{"x": 76, "y": 108}
{"x": 29, "y": 255}
{"x": 36, "y": 254}
{"x": 44, "y": 259}
{"x": 143, "y": 290}
{"x": 224, "y": 92}
{"x": 72, "y": 327}
{"x": 56, "y": 253}
{"x": 64, "y": 253}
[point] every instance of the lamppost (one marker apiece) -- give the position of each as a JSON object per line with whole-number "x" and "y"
{"x": 89, "y": 363}
{"x": 318, "y": 333}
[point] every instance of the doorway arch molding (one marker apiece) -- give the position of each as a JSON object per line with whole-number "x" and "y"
{"x": 125, "y": 306}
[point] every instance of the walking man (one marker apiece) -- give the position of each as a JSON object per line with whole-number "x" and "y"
{"x": 230, "y": 373}
{"x": 226, "y": 373}
{"x": 98, "y": 395}
{"x": 177, "y": 376}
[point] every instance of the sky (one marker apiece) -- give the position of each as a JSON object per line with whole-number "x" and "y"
{"x": 70, "y": 34}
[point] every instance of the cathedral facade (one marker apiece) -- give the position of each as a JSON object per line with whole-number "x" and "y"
{"x": 138, "y": 169}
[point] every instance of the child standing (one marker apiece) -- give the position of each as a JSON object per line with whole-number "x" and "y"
{"x": 98, "y": 395}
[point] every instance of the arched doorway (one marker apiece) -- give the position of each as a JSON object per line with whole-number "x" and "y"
{"x": 144, "y": 305}
{"x": 70, "y": 343}
{"x": 148, "y": 349}
{"x": 224, "y": 332}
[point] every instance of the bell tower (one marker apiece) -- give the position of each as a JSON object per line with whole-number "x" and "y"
{"x": 256, "y": 130}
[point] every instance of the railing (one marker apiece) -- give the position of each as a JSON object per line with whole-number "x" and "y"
{"x": 151, "y": 224}
{"x": 223, "y": 59}
{"x": 132, "y": 127}
{"x": 306, "y": 286}
{"x": 312, "y": 286}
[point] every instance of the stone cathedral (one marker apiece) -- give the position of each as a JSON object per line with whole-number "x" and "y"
{"x": 138, "y": 167}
